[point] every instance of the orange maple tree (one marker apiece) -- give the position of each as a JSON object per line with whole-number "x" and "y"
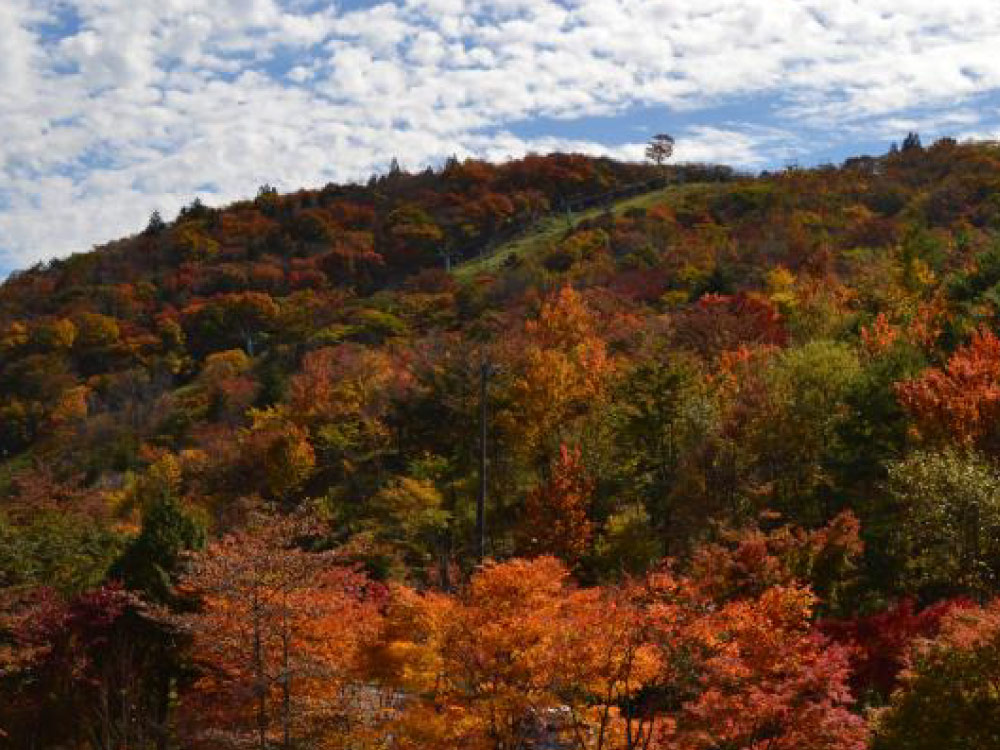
{"x": 276, "y": 637}
{"x": 961, "y": 401}
{"x": 520, "y": 655}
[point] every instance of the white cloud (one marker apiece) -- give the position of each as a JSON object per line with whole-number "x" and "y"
{"x": 110, "y": 108}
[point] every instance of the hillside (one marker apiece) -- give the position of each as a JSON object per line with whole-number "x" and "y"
{"x": 550, "y": 228}
{"x": 785, "y": 385}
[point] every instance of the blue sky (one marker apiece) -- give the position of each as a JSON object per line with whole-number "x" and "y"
{"x": 113, "y": 108}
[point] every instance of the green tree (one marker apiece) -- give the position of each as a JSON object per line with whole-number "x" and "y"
{"x": 661, "y": 409}
{"x": 793, "y": 431}
{"x": 155, "y": 226}
{"x": 68, "y": 552}
{"x": 947, "y": 510}
{"x": 152, "y": 560}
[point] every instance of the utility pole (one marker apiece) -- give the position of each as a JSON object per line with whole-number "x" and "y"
{"x": 485, "y": 372}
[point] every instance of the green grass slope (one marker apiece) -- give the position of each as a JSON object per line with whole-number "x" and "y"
{"x": 548, "y": 230}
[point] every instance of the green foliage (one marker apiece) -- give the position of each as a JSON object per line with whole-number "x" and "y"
{"x": 192, "y": 244}
{"x": 979, "y": 285}
{"x": 875, "y": 428}
{"x": 795, "y": 438}
{"x": 874, "y": 433}
{"x": 628, "y": 544}
{"x": 151, "y": 562}
{"x": 232, "y": 320}
{"x": 95, "y": 331}
{"x": 947, "y": 510}
{"x": 409, "y": 513}
{"x": 661, "y": 411}
{"x": 68, "y": 552}
{"x": 374, "y": 326}
{"x": 18, "y": 426}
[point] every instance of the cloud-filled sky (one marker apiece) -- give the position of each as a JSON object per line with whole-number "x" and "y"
{"x": 110, "y": 109}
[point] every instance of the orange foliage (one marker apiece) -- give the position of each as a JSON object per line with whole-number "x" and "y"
{"x": 276, "y": 637}
{"x": 747, "y": 562}
{"x": 880, "y": 336}
{"x": 562, "y": 368}
{"x": 518, "y": 655}
{"x": 347, "y": 381}
{"x": 962, "y": 401}
{"x": 767, "y": 681}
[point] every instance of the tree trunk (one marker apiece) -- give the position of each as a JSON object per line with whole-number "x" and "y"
{"x": 162, "y": 709}
{"x": 260, "y": 687}
{"x": 484, "y": 374}
{"x": 286, "y": 680}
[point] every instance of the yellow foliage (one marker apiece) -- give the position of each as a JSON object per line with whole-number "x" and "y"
{"x": 781, "y": 289}
{"x": 71, "y": 406}
{"x": 277, "y": 453}
{"x": 14, "y": 337}
{"x": 562, "y": 369}
{"x": 223, "y": 365}
{"x": 56, "y": 335}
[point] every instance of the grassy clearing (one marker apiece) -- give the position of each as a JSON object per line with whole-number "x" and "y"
{"x": 550, "y": 229}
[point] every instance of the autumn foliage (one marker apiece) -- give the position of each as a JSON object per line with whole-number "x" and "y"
{"x": 555, "y": 513}
{"x": 276, "y": 636}
{"x": 948, "y": 694}
{"x": 557, "y": 453}
{"x": 521, "y": 654}
{"x": 960, "y": 402}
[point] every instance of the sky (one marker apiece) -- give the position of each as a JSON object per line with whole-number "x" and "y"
{"x": 110, "y": 109}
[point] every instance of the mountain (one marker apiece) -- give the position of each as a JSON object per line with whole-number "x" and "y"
{"x": 785, "y": 383}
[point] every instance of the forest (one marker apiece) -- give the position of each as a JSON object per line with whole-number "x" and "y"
{"x": 557, "y": 454}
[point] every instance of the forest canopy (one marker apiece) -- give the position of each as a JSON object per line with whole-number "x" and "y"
{"x": 557, "y": 453}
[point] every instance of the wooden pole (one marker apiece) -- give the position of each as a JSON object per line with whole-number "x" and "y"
{"x": 484, "y": 375}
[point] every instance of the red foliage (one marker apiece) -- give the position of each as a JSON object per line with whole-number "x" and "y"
{"x": 768, "y": 681}
{"x": 718, "y": 323}
{"x": 880, "y": 336}
{"x": 352, "y": 261}
{"x": 880, "y": 643}
{"x": 646, "y": 285}
{"x": 555, "y": 518}
{"x": 94, "y": 658}
{"x": 746, "y": 562}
